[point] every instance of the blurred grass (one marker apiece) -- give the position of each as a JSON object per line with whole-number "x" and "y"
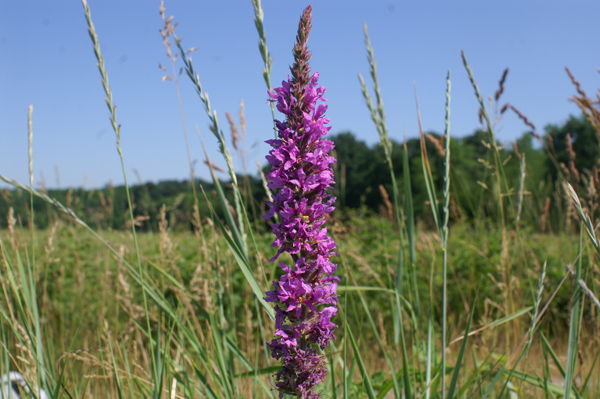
{"x": 81, "y": 287}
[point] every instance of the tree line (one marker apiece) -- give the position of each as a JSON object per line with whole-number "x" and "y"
{"x": 566, "y": 152}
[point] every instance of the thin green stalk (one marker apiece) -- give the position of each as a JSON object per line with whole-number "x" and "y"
{"x": 387, "y": 356}
{"x": 521, "y": 190}
{"x": 501, "y": 183}
{"x": 575, "y": 322}
{"x": 117, "y": 129}
{"x": 378, "y": 117}
{"x": 39, "y": 358}
{"x": 243, "y": 263}
{"x": 588, "y": 380}
{"x": 410, "y": 230}
{"x": 128, "y": 370}
{"x": 216, "y": 130}
{"x": 546, "y": 371}
{"x": 166, "y": 32}
{"x": 597, "y": 387}
{"x": 458, "y": 365}
{"x": 334, "y": 390}
{"x": 430, "y": 350}
{"x": 115, "y": 368}
{"x": 445, "y": 234}
{"x": 344, "y": 372}
{"x": 26, "y": 292}
{"x": 263, "y": 339}
{"x": 536, "y": 306}
{"x": 30, "y": 147}
{"x": 264, "y": 52}
{"x": 591, "y": 232}
{"x": 361, "y": 366}
{"x": 490, "y": 130}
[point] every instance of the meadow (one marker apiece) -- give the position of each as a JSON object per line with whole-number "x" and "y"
{"x": 431, "y": 305}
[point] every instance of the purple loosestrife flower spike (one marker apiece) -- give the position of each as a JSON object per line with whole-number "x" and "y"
{"x": 305, "y": 296}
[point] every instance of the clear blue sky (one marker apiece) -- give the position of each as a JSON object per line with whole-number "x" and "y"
{"x": 46, "y": 59}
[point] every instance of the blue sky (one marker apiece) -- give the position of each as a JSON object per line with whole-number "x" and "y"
{"x": 46, "y": 59}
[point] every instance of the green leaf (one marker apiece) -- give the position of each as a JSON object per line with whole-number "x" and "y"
{"x": 461, "y": 353}
{"x": 244, "y": 266}
{"x": 361, "y": 366}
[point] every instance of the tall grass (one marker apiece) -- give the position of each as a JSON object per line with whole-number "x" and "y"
{"x": 424, "y": 313}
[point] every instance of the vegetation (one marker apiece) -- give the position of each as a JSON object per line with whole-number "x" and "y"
{"x": 362, "y": 172}
{"x": 467, "y": 269}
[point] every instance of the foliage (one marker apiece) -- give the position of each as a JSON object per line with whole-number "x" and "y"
{"x": 361, "y": 170}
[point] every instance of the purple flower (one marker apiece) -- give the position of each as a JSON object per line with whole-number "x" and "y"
{"x": 306, "y": 294}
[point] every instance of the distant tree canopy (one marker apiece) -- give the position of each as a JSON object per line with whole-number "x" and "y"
{"x": 583, "y": 141}
{"x": 360, "y": 172}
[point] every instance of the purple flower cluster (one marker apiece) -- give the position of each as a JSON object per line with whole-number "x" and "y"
{"x": 305, "y": 295}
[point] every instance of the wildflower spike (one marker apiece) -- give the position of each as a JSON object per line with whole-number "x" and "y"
{"x": 306, "y": 294}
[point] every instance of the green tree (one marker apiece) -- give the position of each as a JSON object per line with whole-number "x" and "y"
{"x": 583, "y": 139}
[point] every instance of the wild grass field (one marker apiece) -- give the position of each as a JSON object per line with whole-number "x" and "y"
{"x": 431, "y": 305}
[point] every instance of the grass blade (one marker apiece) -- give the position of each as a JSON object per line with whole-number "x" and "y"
{"x": 574, "y": 323}
{"x": 461, "y": 353}
{"x": 380, "y": 343}
{"x": 244, "y": 266}
{"x": 361, "y": 366}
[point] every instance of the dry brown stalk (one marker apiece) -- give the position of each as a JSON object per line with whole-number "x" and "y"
{"x": 388, "y": 204}
{"x": 11, "y": 228}
{"x": 242, "y": 116}
{"x": 70, "y": 198}
{"x": 166, "y": 245}
{"x": 588, "y": 106}
{"x": 57, "y": 173}
{"x": 212, "y": 165}
{"x": 49, "y": 248}
{"x": 572, "y": 156}
{"x": 137, "y": 221}
{"x": 501, "y": 85}
{"x": 571, "y": 212}
{"x": 235, "y": 136}
{"x": 437, "y": 143}
{"x": 453, "y": 207}
{"x": 589, "y": 198}
{"x": 584, "y": 288}
{"x": 26, "y": 356}
{"x": 42, "y": 184}
{"x": 365, "y": 267}
{"x": 196, "y": 220}
{"x": 167, "y": 30}
{"x": 525, "y": 120}
{"x": 550, "y": 142}
{"x": 381, "y": 323}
